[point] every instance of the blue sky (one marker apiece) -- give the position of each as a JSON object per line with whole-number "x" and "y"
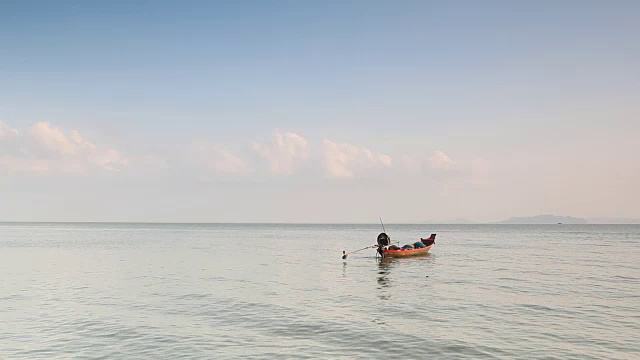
{"x": 484, "y": 110}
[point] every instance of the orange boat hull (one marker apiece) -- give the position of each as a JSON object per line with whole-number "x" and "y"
{"x": 406, "y": 253}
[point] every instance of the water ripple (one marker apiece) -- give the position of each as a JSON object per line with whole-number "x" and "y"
{"x": 120, "y": 291}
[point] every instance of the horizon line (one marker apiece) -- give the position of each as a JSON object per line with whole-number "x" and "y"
{"x": 298, "y": 223}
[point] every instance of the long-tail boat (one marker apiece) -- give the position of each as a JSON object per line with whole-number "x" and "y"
{"x": 422, "y": 247}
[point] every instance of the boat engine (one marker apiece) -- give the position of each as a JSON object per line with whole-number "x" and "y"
{"x": 383, "y": 240}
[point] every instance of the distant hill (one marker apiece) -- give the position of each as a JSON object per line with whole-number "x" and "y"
{"x": 544, "y": 219}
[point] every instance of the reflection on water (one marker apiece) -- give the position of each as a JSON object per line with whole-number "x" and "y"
{"x": 344, "y": 269}
{"x": 384, "y": 267}
{"x": 384, "y": 284}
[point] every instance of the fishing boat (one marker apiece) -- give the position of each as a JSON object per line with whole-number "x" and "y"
{"x": 386, "y": 249}
{"x": 422, "y": 247}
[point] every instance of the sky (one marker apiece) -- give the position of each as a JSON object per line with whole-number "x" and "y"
{"x": 325, "y": 111}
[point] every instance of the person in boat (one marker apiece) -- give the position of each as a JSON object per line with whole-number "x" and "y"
{"x": 383, "y": 241}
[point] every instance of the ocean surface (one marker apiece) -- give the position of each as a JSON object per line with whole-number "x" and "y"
{"x": 214, "y": 291}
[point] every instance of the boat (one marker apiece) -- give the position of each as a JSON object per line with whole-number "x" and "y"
{"x": 385, "y": 249}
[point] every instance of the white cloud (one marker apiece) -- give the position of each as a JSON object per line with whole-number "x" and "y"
{"x": 7, "y": 132}
{"x": 45, "y": 148}
{"x": 440, "y": 160}
{"x": 220, "y": 159}
{"x": 344, "y": 160}
{"x": 288, "y": 150}
{"x": 385, "y": 160}
{"x": 53, "y": 139}
{"x": 110, "y": 160}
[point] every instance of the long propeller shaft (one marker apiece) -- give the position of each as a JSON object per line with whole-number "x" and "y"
{"x": 345, "y": 254}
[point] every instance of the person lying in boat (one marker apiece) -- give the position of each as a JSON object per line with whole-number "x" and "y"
{"x": 417, "y": 245}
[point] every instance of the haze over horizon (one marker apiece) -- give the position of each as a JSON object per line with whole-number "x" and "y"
{"x": 340, "y": 112}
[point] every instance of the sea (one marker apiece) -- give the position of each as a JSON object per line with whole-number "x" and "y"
{"x": 276, "y": 291}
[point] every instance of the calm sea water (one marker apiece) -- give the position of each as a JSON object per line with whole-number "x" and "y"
{"x": 168, "y": 291}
